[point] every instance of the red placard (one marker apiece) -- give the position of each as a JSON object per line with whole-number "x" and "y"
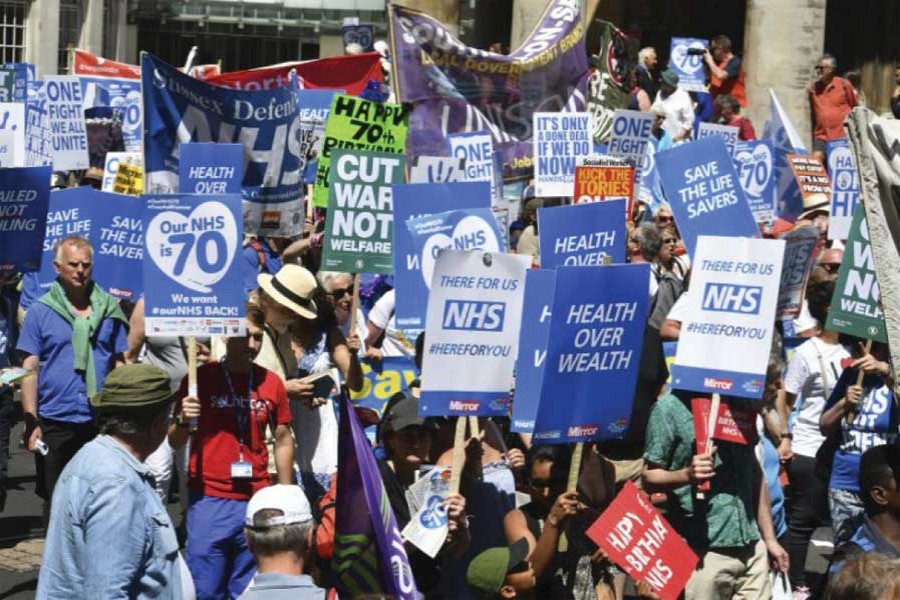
{"x": 595, "y": 183}
{"x": 85, "y": 63}
{"x": 637, "y": 538}
{"x": 736, "y": 423}
{"x": 810, "y": 174}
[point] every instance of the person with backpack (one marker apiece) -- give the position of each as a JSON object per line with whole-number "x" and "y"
{"x": 259, "y": 257}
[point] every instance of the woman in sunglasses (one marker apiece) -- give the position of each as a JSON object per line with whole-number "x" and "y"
{"x": 668, "y": 262}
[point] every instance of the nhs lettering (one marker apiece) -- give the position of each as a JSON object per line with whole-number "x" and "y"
{"x": 726, "y": 297}
{"x": 474, "y": 315}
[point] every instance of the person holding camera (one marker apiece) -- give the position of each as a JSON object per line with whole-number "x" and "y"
{"x": 726, "y": 71}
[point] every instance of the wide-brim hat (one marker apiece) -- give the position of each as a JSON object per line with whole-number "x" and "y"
{"x": 292, "y": 287}
{"x": 670, "y": 77}
{"x": 814, "y": 204}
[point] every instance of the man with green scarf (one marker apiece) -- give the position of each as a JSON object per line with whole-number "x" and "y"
{"x": 75, "y": 334}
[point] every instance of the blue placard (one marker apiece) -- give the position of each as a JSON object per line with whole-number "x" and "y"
{"x": 539, "y": 287}
{"x": 69, "y": 213}
{"x": 593, "y": 353}
{"x": 314, "y": 108}
{"x": 785, "y": 140}
{"x": 117, "y": 232}
{"x": 703, "y": 190}
{"x": 465, "y": 229}
{"x": 178, "y": 108}
{"x": 364, "y": 35}
{"x": 24, "y": 203}
{"x": 476, "y": 148}
{"x": 582, "y": 235}
{"x": 37, "y": 126}
{"x": 21, "y": 73}
{"x": 211, "y": 168}
{"x": 691, "y": 74}
{"x": 755, "y": 164}
{"x": 192, "y": 265}
{"x": 415, "y": 200}
{"x": 122, "y": 94}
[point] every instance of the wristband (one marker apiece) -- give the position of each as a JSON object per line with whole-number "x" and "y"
{"x": 787, "y": 436}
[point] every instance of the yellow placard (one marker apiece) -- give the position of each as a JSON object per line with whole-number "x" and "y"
{"x": 129, "y": 180}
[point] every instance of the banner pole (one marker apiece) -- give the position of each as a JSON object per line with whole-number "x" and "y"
{"x": 192, "y": 373}
{"x": 354, "y": 306}
{"x": 854, "y": 412}
{"x": 571, "y": 486}
{"x": 710, "y": 447}
{"x": 473, "y": 426}
{"x": 459, "y": 454}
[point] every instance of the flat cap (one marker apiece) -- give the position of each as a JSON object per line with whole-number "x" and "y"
{"x": 133, "y": 386}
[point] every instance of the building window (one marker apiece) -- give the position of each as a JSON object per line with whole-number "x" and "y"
{"x": 70, "y": 18}
{"x": 12, "y": 31}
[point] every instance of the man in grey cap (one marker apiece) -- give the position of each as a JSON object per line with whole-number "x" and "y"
{"x": 678, "y": 106}
{"x": 109, "y": 534}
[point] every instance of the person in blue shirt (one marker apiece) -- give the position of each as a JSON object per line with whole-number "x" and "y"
{"x": 72, "y": 337}
{"x": 110, "y": 535}
{"x": 879, "y": 531}
{"x": 8, "y": 334}
{"x": 862, "y": 416}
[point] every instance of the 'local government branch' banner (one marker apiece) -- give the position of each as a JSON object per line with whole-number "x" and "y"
{"x": 472, "y": 333}
{"x": 726, "y": 334}
{"x": 856, "y": 304}
{"x": 417, "y": 200}
{"x": 456, "y": 88}
{"x": 65, "y": 112}
{"x": 117, "y": 232}
{"x": 24, "y": 202}
{"x": 359, "y": 236}
{"x": 844, "y": 188}
{"x": 686, "y": 59}
{"x": 582, "y": 235}
{"x": 192, "y": 275}
{"x": 638, "y": 538}
{"x": 596, "y": 334}
{"x": 703, "y": 190}
{"x": 359, "y": 124}
{"x": 755, "y": 165}
{"x": 559, "y": 138}
{"x": 179, "y": 109}
{"x": 798, "y": 257}
{"x": 539, "y": 288}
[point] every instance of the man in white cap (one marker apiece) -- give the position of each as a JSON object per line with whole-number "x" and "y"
{"x": 279, "y": 529}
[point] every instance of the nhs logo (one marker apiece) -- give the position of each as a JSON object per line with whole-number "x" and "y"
{"x": 474, "y": 315}
{"x": 730, "y": 297}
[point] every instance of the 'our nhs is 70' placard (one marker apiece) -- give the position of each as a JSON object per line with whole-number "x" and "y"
{"x": 192, "y": 275}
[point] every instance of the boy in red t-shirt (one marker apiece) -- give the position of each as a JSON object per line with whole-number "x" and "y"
{"x": 229, "y": 459}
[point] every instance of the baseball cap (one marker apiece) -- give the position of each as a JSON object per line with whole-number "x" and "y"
{"x": 289, "y": 499}
{"x": 488, "y": 570}
{"x": 402, "y": 414}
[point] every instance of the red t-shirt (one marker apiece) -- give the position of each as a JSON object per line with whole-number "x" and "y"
{"x": 831, "y": 104}
{"x": 215, "y": 443}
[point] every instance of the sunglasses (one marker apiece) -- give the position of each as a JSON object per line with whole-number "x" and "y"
{"x": 831, "y": 267}
{"x": 661, "y": 219}
{"x": 338, "y": 294}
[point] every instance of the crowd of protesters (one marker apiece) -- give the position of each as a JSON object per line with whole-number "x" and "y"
{"x": 253, "y": 448}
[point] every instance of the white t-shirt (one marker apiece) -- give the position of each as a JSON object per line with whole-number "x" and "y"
{"x": 803, "y": 377}
{"x": 382, "y": 316}
{"x": 679, "y": 309}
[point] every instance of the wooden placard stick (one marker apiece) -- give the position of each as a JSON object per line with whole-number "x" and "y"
{"x": 354, "y": 306}
{"x": 459, "y": 454}
{"x": 853, "y": 412}
{"x": 192, "y": 373}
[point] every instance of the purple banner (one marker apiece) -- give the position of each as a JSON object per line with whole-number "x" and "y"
{"x": 369, "y": 557}
{"x": 455, "y": 88}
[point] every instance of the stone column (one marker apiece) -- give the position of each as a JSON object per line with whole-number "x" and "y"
{"x": 91, "y": 36}
{"x": 445, "y": 11}
{"x": 782, "y": 41}
{"x": 42, "y": 36}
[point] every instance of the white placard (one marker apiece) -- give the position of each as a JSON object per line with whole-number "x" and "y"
{"x": 559, "y": 139}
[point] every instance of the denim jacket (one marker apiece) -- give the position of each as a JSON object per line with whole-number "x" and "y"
{"x": 109, "y": 534}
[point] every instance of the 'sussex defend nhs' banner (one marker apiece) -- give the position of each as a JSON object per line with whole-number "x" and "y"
{"x": 456, "y": 88}
{"x": 178, "y": 109}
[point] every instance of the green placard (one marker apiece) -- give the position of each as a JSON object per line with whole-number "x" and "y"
{"x": 362, "y": 125}
{"x": 855, "y": 306}
{"x": 359, "y": 225}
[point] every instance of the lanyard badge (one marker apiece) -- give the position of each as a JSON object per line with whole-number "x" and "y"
{"x": 240, "y": 469}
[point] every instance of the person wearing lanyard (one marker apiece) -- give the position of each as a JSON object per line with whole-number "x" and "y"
{"x": 236, "y": 400}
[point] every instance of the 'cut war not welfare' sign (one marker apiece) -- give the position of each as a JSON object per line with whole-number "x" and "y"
{"x": 559, "y": 138}
{"x": 192, "y": 278}
{"x": 359, "y": 236}
{"x": 726, "y": 334}
{"x": 703, "y": 190}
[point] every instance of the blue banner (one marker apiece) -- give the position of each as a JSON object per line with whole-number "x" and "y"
{"x": 382, "y": 379}
{"x": 24, "y": 203}
{"x": 121, "y": 94}
{"x": 211, "y": 168}
{"x": 70, "y": 213}
{"x": 314, "y": 108}
{"x": 416, "y": 200}
{"x": 20, "y": 73}
{"x": 539, "y": 288}
{"x": 38, "y": 150}
{"x": 785, "y": 140}
{"x": 117, "y": 233}
{"x": 582, "y": 235}
{"x": 192, "y": 265}
{"x": 702, "y": 187}
{"x": 755, "y": 164}
{"x": 684, "y": 60}
{"x": 179, "y": 108}
{"x": 593, "y": 353}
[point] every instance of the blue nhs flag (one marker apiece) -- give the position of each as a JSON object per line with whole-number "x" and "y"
{"x": 463, "y": 315}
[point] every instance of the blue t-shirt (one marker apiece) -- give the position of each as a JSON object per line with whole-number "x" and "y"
{"x": 251, "y": 266}
{"x": 62, "y": 392}
{"x": 31, "y": 290}
{"x": 876, "y": 424}
{"x": 771, "y": 467}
